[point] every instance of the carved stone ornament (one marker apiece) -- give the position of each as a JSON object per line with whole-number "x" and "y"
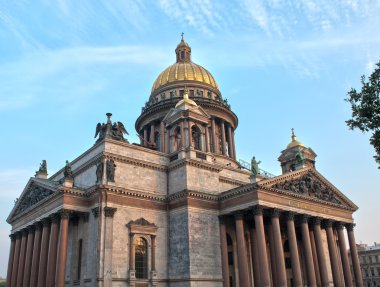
{"x": 33, "y": 195}
{"x": 141, "y": 221}
{"x": 111, "y": 130}
{"x": 310, "y": 186}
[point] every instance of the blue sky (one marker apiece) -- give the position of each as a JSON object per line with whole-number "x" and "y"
{"x": 281, "y": 64}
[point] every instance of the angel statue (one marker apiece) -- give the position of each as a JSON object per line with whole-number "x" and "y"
{"x": 114, "y": 131}
{"x": 100, "y": 130}
{"x": 118, "y": 130}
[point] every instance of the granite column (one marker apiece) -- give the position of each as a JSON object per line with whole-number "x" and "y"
{"x": 224, "y": 251}
{"x": 261, "y": 246}
{"x": 241, "y": 251}
{"x": 307, "y": 252}
{"x": 293, "y": 247}
{"x": 10, "y": 260}
{"x": 344, "y": 256}
{"x": 354, "y": 255}
{"x": 36, "y": 255}
{"x": 62, "y": 251}
{"x": 29, "y": 256}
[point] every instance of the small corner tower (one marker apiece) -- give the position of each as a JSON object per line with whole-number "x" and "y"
{"x": 296, "y": 156}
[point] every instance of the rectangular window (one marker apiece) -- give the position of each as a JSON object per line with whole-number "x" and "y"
{"x": 181, "y": 93}
{"x": 191, "y": 94}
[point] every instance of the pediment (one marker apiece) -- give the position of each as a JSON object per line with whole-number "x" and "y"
{"x": 310, "y": 185}
{"x": 142, "y": 226}
{"x": 34, "y": 192}
{"x": 194, "y": 111}
{"x": 142, "y": 222}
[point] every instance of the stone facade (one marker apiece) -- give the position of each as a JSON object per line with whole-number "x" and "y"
{"x": 178, "y": 209}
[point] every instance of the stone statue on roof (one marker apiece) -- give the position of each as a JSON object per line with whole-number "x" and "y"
{"x": 111, "y": 130}
{"x": 255, "y": 167}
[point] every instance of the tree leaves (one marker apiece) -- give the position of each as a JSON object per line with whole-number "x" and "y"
{"x": 365, "y": 106}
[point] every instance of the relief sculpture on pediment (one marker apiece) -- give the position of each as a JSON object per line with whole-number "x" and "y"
{"x": 33, "y": 195}
{"x": 310, "y": 186}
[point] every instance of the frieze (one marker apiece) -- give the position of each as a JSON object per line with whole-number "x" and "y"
{"x": 34, "y": 194}
{"x": 308, "y": 185}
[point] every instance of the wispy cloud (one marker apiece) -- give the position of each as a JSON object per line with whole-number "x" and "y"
{"x": 199, "y": 14}
{"x": 68, "y": 72}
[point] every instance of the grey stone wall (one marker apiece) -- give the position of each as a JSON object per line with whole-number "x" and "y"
{"x": 179, "y": 261}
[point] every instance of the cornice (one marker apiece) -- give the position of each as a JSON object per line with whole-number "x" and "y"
{"x": 136, "y": 162}
{"x": 192, "y": 162}
{"x": 231, "y": 181}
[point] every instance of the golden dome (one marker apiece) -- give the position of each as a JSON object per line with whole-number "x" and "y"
{"x": 184, "y": 70}
{"x": 294, "y": 141}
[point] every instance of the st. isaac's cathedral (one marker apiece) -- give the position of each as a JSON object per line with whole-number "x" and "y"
{"x": 178, "y": 209}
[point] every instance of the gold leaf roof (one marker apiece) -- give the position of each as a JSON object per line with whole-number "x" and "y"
{"x": 183, "y": 71}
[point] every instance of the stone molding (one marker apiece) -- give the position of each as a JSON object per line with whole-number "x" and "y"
{"x": 195, "y": 163}
{"x": 257, "y": 210}
{"x": 136, "y": 162}
{"x": 231, "y": 181}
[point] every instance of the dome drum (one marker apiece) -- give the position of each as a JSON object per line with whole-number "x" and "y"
{"x": 189, "y": 91}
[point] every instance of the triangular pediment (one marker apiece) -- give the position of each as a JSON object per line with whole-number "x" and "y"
{"x": 309, "y": 184}
{"x": 35, "y": 191}
{"x": 196, "y": 112}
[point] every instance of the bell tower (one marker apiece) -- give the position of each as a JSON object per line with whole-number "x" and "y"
{"x": 296, "y": 156}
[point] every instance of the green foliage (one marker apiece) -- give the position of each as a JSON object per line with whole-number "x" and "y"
{"x": 365, "y": 107}
{"x": 3, "y": 283}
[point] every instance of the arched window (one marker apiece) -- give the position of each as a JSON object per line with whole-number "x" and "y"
{"x": 196, "y": 137}
{"x": 141, "y": 258}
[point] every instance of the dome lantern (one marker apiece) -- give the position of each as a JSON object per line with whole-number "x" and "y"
{"x": 183, "y": 51}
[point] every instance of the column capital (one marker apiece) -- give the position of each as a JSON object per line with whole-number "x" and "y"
{"x": 12, "y": 236}
{"x": 46, "y": 221}
{"x": 55, "y": 217}
{"x": 24, "y": 231}
{"x": 275, "y": 212}
{"x": 339, "y": 225}
{"x": 257, "y": 210}
{"x": 290, "y": 215}
{"x": 327, "y": 223}
{"x": 239, "y": 214}
{"x": 65, "y": 213}
{"x": 304, "y": 218}
{"x": 153, "y": 236}
{"x": 38, "y": 225}
{"x": 109, "y": 211}
{"x": 31, "y": 228}
{"x": 350, "y": 226}
{"x": 316, "y": 221}
{"x": 222, "y": 218}
{"x": 95, "y": 211}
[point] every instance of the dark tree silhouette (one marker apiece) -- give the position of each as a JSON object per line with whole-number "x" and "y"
{"x": 365, "y": 106}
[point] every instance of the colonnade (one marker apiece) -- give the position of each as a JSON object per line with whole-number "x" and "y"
{"x": 266, "y": 229}
{"x": 219, "y": 140}
{"x": 38, "y": 253}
